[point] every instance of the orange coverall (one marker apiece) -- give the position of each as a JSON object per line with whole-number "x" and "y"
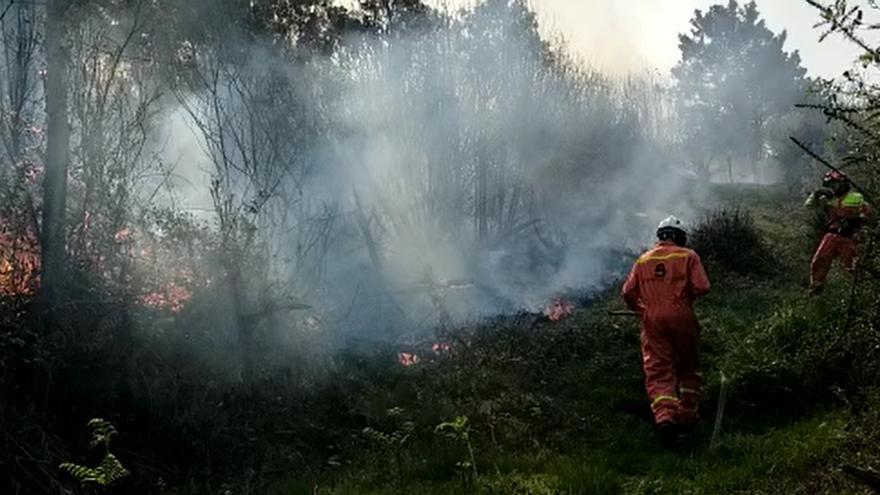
{"x": 838, "y": 241}
{"x": 662, "y": 287}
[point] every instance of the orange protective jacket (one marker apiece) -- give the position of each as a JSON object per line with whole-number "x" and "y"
{"x": 666, "y": 277}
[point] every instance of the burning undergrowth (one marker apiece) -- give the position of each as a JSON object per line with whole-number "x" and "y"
{"x": 447, "y": 342}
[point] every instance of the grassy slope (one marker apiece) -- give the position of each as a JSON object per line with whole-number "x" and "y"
{"x": 559, "y": 408}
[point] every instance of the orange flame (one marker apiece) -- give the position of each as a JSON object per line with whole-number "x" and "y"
{"x": 407, "y": 359}
{"x": 559, "y": 310}
{"x": 172, "y": 297}
{"x": 19, "y": 263}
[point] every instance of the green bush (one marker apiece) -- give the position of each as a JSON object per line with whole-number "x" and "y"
{"x": 801, "y": 358}
{"x": 728, "y": 238}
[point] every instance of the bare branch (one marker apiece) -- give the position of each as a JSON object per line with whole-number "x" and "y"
{"x": 828, "y": 164}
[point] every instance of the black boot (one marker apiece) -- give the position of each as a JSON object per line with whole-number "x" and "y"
{"x": 667, "y": 432}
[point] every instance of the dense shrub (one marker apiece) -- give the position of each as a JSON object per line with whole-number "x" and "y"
{"x": 800, "y": 358}
{"x": 728, "y": 238}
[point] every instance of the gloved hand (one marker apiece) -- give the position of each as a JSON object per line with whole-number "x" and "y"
{"x": 823, "y": 193}
{"x": 817, "y": 198}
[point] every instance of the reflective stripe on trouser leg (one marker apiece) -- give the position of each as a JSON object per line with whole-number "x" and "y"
{"x": 822, "y": 259}
{"x": 690, "y": 384}
{"x": 689, "y": 392}
{"x": 665, "y": 408}
{"x": 658, "y": 401}
{"x": 660, "y": 383}
{"x": 658, "y": 362}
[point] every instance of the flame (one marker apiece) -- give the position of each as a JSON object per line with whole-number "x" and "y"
{"x": 441, "y": 348}
{"x": 171, "y": 297}
{"x": 33, "y": 173}
{"x": 559, "y": 310}
{"x": 169, "y": 282}
{"x": 140, "y": 263}
{"x": 122, "y": 235}
{"x": 19, "y": 263}
{"x": 168, "y": 289}
{"x": 407, "y": 359}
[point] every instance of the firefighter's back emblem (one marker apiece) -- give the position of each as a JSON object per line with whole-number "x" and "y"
{"x": 660, "y": 271}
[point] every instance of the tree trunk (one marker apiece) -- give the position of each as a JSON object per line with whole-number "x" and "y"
{"x": 480, "y": 198}
{"x": 57, "y": 144}
{"x": 757, "y": 148}
{"x": 245, "y": 326}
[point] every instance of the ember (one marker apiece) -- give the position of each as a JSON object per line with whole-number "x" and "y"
{"x": 559, "y": 310}
{"x": 407, "y": 359}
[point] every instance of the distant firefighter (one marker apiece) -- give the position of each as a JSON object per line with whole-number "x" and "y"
{"x": 845, "y": 212}
{"x": 662, "y": 287}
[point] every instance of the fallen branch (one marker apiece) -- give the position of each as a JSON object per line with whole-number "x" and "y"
{"x": 868, "y": 476}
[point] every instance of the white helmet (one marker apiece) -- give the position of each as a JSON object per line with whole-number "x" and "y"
{"x": 671, "y": 223}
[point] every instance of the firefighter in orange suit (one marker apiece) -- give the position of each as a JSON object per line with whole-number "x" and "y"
{"x": 662, "y": 288}
{"x": 845, "y": 212}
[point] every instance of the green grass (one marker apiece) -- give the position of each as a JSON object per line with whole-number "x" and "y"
{"x": 633, "y": 464}
{"x": 560, "y": 408}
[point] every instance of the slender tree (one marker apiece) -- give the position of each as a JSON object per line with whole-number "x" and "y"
{"x": 57, "y": 155}
{"x": 734, "y": 79}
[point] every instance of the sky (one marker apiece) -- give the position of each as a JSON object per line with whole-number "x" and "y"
{"x": 637, "y": 35}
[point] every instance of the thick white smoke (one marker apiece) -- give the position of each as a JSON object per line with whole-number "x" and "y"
{"x": 445, "y": 173}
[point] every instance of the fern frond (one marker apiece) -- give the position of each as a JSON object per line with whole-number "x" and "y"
{"x": 102, "y": 432}
{"x": 82, "y": 474}
{"x": 111, "y": 470}
{"x": 108, "y": 472}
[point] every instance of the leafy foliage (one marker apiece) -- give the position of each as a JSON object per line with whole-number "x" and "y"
{"x": 852, "y": 102}
{"x": 459, "y": 431}
{"x": 110, "y": 470}
{"x": 395, "y": 442}
{"x": 728, "y": 238}
{"x": 107, "y": 473}
{"x": 735, "y": 83}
